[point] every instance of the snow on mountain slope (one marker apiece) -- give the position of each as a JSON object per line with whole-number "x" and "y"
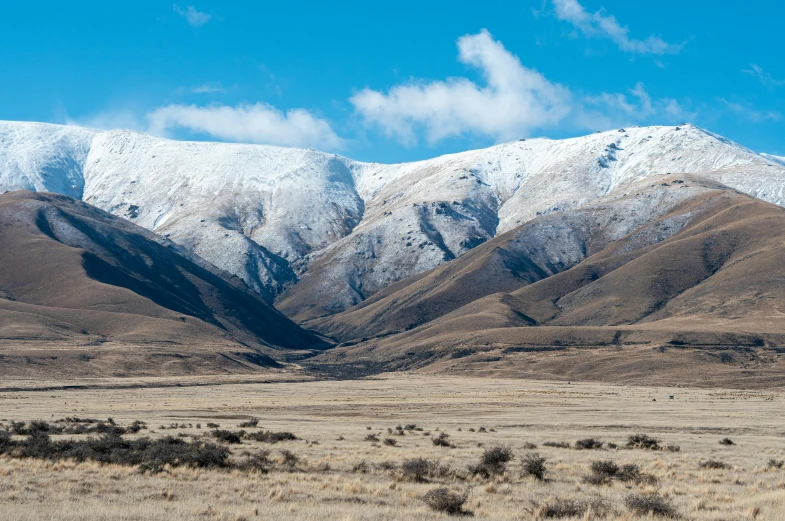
{"x": 43, "y": 157}
{"x": 321, "y": 232}
{"x": 776, "y": 159}
{"x": 433, "y": 211}
{"x": 252, "y": 210}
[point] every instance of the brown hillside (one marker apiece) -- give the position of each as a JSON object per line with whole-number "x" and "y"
{"x": 83, "y": 292}
{"x": 701, "y": 284}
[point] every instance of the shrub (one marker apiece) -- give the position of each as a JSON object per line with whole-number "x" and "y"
{"x": 645, "y": 504}
{"x": 631, "y": 473}
{"x": 416, "y": 469}
{"x": 606, "y": 470}
{"x": 39, "y": 446}
{"x": 372, "y": 438}
{"x": 228, "y": 436}
{"x": 726, "y": 441}
{"x": 386, "y": 465}
{"x": 257, "y": 462}
{"x": 5, "y": 441}
{"x": 602, "y": 472}
{"x": 249, "y": 424}
{"x": 112, "y": 448}
{"x": 563, "y": 508}
{"x": 361, "y": 468}
{"x": 713, "y": 464}
{"x": 289, "y": 458}
{"x": 560, "y": 508}
{"x": 596, "y": 479}
{"x": 534, "y": 465}
{"x": 136, "y": 426}
{"x": 18, "y": 428}
{"x": 493, "y": 461}
{"x": 40, "y": 426}
{"x": 588, "y": 444}
{"x": 270, "y": 437}
{"x": 529, "y": 446}
{"x": 212, "y": 425}
{"x": 773, "y": 463}
{"x": 557, "y": 444}
{"x": 443, "y": 440}
{"x": 642, "y": 441}
{"x": 390, "y": 442}
{"x": 443, "y": 500}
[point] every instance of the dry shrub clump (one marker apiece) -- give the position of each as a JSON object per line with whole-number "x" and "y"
{"x": 443, "y": 440}
{"x": 727, "y": 442}
{"x": 257, "y": 462}
{"x": 589, "y": 444}
{"x": 234, "y": 438}
{"x": 252, "y": 423}
{"x": 534, "y": 465}
{"x": 605, "y": 471}
{"x": 776, "y": 464}
{"x": 417, "y": 469}
{"x": 557, "y": 444}
{"x": 74, "y": 425}
{"x": 492, "y": 462}
{"x": 146, "y": 453}
{"x": 270, "y": 437}
{"x": 713, "y": 464}
{"x": 289, "y": 458}
{"x": 650, "y": 504}
{"x": 361, "y": 468}
{"x": 443, "y": 500}
{"x": 643, "y": 441}
{"x": 561, "y": 508}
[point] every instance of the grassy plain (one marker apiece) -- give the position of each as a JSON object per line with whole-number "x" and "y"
{"x": 332, "y": 420}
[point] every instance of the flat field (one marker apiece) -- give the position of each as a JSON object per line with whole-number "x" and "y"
{"x": 333, "y": 471}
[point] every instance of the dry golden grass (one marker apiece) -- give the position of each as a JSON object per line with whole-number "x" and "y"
{"x": 331, "y": 420}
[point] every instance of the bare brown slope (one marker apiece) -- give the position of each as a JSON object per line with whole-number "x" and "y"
{"x": 648, "y": 212}
{"x": 701, "y": 305}
{"x": 73, "y": 275}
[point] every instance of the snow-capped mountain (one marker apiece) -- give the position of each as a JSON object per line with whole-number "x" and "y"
{"x": 322, "y": 232}
{"x": 43, "y": 158}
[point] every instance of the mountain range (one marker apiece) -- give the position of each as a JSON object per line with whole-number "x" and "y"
{"x": 661, "y": 238}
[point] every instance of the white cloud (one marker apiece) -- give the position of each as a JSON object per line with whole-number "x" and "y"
{"x": 208, "y": 88}
{"x": 110, "y": 120}
{"x": 604, "y": 25}
{"x": 765, "y": 78}
{"x": 258, "y": 123}
{"x": 610, "y": 110}
{"x": 749, "y": 113}
{"x": 192, "y": 16}
{"x": 514, "y": 101}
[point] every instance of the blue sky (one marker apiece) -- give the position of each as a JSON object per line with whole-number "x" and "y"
{"x": 396, "y": 81}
